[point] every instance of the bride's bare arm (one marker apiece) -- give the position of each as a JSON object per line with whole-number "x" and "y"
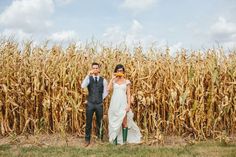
{"x": 109, "y": 87}
{"x": 128, "y": 96}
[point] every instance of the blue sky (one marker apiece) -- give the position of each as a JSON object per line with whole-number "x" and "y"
{"x": 192, "y": 24}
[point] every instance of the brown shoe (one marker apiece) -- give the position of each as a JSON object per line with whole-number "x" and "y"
{"x": 86, "y": 143}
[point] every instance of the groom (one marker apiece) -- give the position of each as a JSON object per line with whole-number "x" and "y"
{"x": 97, "y": 91}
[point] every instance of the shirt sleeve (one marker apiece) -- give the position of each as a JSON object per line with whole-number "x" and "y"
{"x": 85, "y": 82}
{"x": 105, "y": 92}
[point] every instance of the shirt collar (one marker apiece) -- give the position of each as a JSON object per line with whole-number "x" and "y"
{"x": 96, "y": 76}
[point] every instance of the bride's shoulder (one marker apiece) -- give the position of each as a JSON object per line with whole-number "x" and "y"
{"x": 127, "y": 82}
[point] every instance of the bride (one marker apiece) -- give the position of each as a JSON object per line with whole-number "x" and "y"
{"x": 122, "y": 128}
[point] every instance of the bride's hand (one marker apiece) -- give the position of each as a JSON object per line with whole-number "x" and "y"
{"x": 127, "y": 109}
{"x": 113, "y": 76}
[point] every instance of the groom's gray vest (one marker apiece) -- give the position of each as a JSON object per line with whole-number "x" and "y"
{"x": 95, "y": 90}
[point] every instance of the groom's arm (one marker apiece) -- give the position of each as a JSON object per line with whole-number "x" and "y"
{"x": 85, "y": 82}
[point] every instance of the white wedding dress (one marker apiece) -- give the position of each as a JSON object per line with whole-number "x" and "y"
{"x": 116, "y": 114}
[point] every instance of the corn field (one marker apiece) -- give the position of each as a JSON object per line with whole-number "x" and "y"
{"x": 190, "y": 94}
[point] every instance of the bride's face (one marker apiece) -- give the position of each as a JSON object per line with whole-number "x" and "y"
{"x": 120, "y": 71}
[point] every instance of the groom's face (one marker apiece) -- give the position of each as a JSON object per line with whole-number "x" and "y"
{"x": 96, "y": 69}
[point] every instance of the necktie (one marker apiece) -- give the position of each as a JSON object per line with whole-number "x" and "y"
{"x": 96, "y": 79}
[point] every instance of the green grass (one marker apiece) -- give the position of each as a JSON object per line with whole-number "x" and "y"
{"x": 207, "y": 149}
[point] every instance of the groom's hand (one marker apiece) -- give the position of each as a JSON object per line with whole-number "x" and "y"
{"x": 90, "y": 72}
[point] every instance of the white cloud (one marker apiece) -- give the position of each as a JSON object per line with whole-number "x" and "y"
{"x": 114, "y": 34}
{"x": 64, "y": 36}
{"x": 224, "y": 32}
{"x": 28, "y": 15}
{"x": 63, "y": 2}
{"x": 223, "y": 29}
{"x": 138, "y": 5}
{"x": 175, "y": 47}
{"x": 136, "y": 26}
{"x": 16, "y": 34}
{"x": 132, "y": 35}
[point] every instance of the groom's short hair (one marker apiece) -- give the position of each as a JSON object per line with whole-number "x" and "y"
{"x": 95, "y": 63}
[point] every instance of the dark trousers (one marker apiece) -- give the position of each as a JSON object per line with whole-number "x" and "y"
{"x": 90, "y": 109}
